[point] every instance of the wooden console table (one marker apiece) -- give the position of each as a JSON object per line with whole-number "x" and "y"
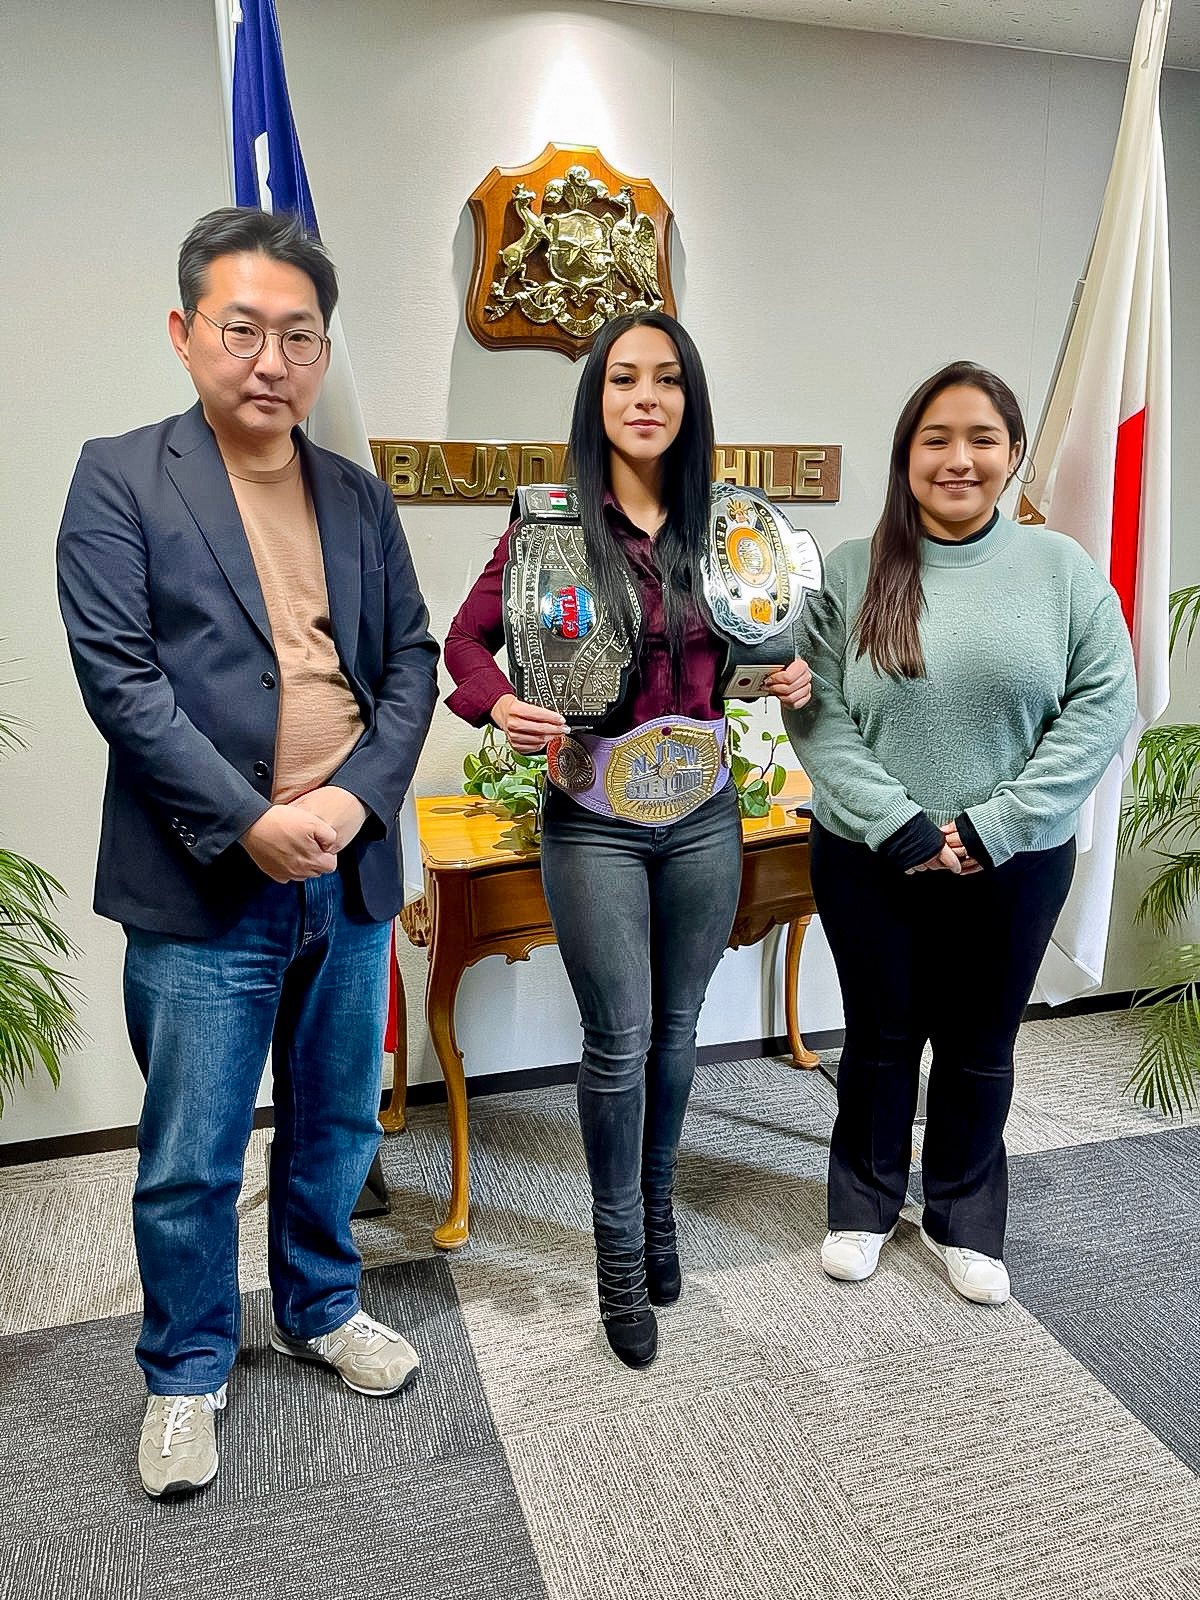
{"x": 483, "y": 897}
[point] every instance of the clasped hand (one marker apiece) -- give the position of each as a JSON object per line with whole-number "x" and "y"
{"x": 301, "y": 839}
{"x": 953, "y": 857}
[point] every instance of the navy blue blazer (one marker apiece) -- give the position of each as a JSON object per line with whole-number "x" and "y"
{"x": 172, "y": 648}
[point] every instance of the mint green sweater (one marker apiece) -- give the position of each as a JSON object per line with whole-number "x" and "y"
{"x": 1027, "y": 695}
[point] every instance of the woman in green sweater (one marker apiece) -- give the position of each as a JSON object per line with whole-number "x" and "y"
{"x": 972, "y": 679}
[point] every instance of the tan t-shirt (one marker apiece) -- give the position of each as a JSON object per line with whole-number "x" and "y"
{"x": 319, "y": 720}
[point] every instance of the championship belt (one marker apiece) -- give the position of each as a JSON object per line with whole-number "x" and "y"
{"x": 654, "y": 775}
{"x": 564, "y": 651}
{"x": 757, "y": 568}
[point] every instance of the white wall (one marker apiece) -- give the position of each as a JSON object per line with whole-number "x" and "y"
{"x": 852, "y": 210}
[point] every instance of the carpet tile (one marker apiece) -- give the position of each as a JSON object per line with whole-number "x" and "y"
{"x": 440, "y": 1530}
{"x": 94, "y": 1562}
{"x": 797, "y": 1439}
{"x": 306, "y": 1466}
{"x": 1105, "y": 1251}
{"x": 999, "y": 1467}
{"x": 722, "y": 1495}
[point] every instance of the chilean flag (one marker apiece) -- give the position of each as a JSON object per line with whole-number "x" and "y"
{"x": 267, "y": 170}
{"x": 1102, "y": 464}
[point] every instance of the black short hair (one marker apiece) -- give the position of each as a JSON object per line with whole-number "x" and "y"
{"x": 279, "y": 235}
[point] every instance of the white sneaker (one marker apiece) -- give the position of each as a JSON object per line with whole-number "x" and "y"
{"x": 368, "y": 1357}
{"x": 976, "y": 1276}
{"x": 853, "y": 1256}
{"x": 177, "y": 1451}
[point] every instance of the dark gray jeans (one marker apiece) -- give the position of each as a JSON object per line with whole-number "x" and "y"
{"x": 642, "y": 916}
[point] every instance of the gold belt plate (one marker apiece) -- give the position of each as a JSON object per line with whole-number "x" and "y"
{"x": 661, "y": 774}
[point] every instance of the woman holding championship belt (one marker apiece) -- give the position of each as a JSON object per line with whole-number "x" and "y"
{"x": 972, "y": 679}
{"x": 641, "y": 834}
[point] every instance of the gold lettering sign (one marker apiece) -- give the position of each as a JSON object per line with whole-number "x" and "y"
{"x": 428, "y": 472}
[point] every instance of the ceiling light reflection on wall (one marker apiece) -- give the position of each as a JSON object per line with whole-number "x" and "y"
{"x": 570, "y": 106}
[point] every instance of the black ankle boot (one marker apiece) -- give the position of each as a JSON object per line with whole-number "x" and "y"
{"x": 663, "y": 1279}
{"x": 629, "y": 1323}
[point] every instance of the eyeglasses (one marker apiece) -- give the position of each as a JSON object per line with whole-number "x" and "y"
{"x": 300, "y": 346}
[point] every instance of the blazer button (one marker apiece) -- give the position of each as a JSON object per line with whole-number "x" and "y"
{"x": 261, "y": 769}
{"x": 267, "y": 680}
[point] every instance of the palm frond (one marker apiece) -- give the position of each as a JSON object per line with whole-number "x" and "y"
{"x": 10, "y": 733}
{"x": 1167, "y": 1074}
{"x": 1169, "y": 898}
{"x": 1185, "y": 614}
{"x": 1164, "y": 811}
{"x": 1165, "y": 780}
{"x": 1173, "y": 828}
{"x": 37, "y": 999}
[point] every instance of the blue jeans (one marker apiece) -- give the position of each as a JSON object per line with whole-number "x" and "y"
{"x": 642, "y": 916}
{"x": 301, "y": 977}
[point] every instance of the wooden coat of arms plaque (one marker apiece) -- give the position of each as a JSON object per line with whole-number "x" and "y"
{"x": 562, "y": 245}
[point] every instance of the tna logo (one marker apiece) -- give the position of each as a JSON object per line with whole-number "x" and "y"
{"x": 568, "y": 613}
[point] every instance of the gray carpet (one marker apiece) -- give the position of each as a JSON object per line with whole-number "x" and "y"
{"x": 1104, "y": 1247}
{"x": 797, "y": 1438}
{"x": 322, "y": 1494}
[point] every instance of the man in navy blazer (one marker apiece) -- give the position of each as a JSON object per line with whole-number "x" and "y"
{"x": 250, "y": 639}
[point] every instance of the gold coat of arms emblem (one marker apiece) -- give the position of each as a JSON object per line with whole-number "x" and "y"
{"x": 562, "y": 245}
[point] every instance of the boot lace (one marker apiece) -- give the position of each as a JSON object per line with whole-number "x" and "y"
{"x": 661, "y": 1238}
{"x": 621, "y": 1280}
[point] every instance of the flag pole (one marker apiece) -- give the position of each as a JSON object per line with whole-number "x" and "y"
{"x": 225, "y": 22}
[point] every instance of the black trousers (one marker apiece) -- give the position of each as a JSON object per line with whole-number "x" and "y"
{"x": 951, "y": 961}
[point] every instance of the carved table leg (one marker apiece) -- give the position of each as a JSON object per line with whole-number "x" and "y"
{"x": 446, "y": 958}
{"x": 391, "y": 1118}
{"x": 801, "y": 1056}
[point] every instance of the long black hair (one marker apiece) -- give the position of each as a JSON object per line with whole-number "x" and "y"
{"x": 686, "y": 483}
{"x": 888, "y": 626}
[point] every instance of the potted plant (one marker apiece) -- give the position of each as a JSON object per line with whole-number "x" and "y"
{"x": 510, "y": 783}
{"x": 1163, "y": 814}
{"x": 757, "y": 785}
{"x": 37, "y": 1009}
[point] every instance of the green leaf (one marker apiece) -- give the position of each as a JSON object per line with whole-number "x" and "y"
{"x": 1167, "y": 1074}
{"x": 1174, "y": 891}
{"x": 778, "y": 779}
{"x": 1185, "y": 614}
{"x": 37, "y": 999}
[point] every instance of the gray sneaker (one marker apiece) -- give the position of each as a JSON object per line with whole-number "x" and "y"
{"x": 178, "y": 1448}
{"x": 368, "y": 1357}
